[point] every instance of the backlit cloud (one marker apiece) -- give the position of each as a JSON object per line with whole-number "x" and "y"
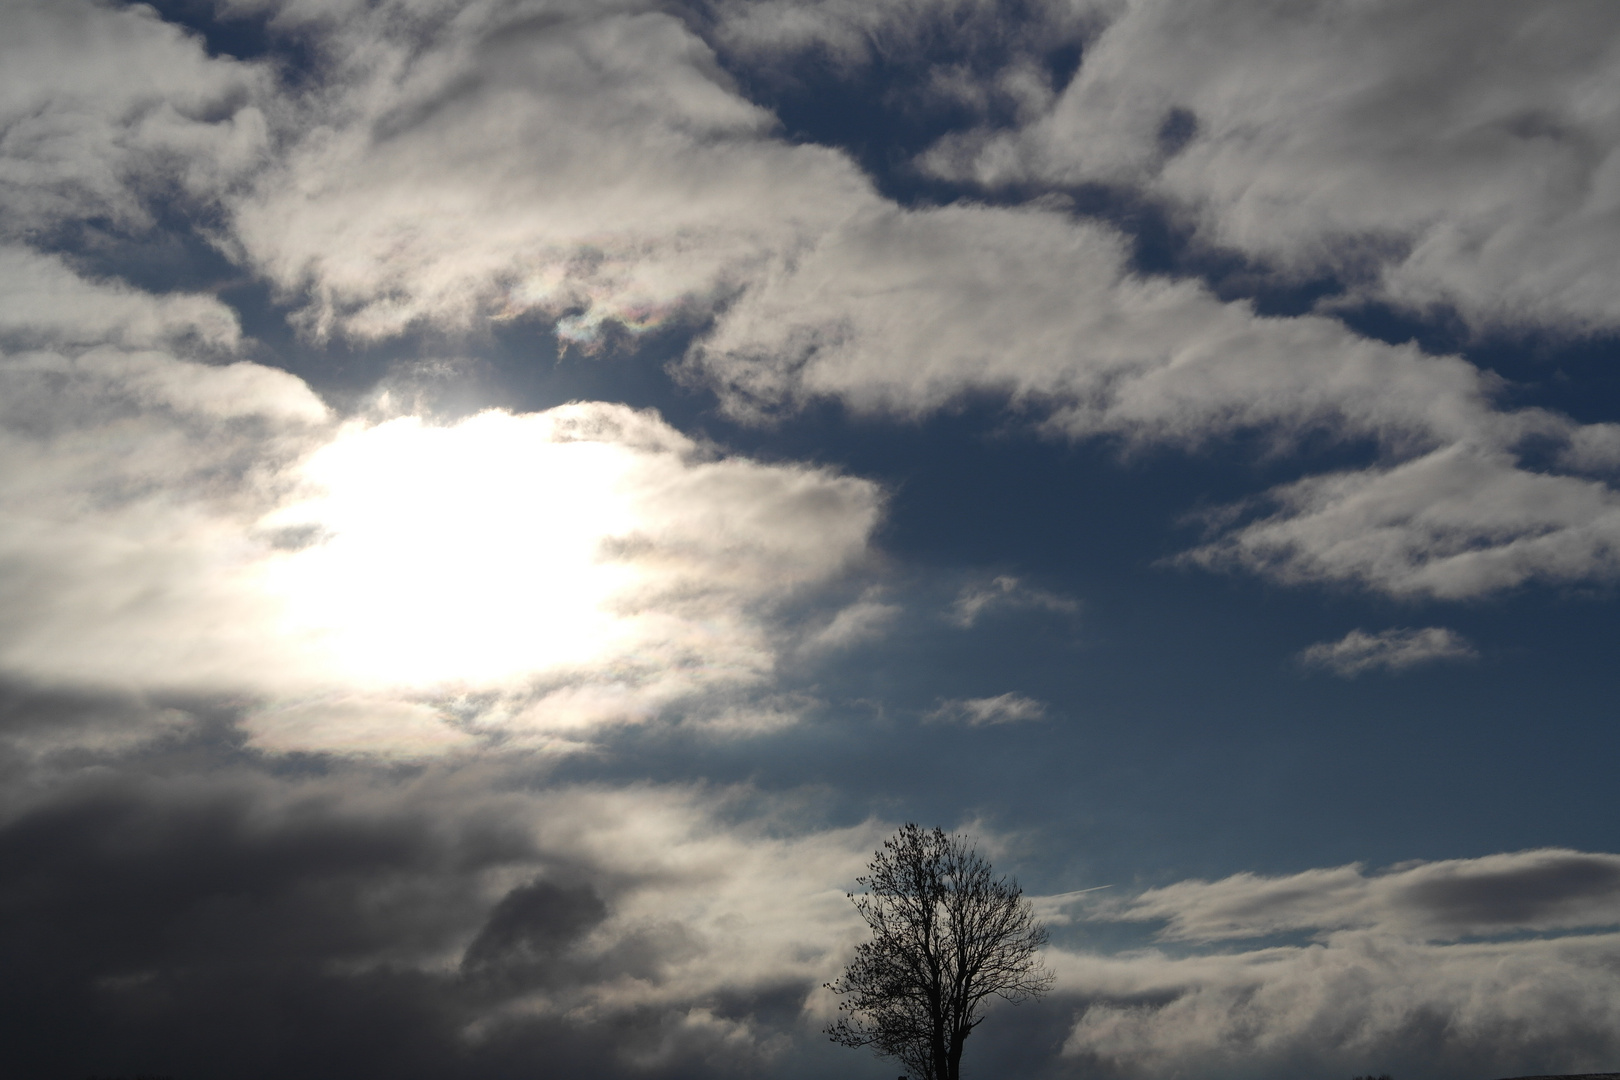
{"x": 457, "y": 920}
{"x": 106, "y": 108}
{"x": 1353, "y": 1002}
{"x": 589, "y": 163}
{"x": 394, "y": 584}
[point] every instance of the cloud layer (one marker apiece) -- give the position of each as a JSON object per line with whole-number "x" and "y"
{"x": 589, "y": 163}
{"x": 909, "y": 311}
{"x": 182, "y": 527}
{"x": 599, "y": 170}
{"x": 1432, "y": 153}
{"x": 1396, "y": 970}
{"x": 326, "y": 721}
{"x": 452, "y": 923}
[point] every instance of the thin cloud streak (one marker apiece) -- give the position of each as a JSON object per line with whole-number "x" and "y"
{"x": 1535, "y": 891}
{"x": 1008, "y": 708}
{"x": 1388, "y": 650}
{"x": 1004, "y": 592}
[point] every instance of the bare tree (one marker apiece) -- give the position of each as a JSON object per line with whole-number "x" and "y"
{"x": 947, "y": 937}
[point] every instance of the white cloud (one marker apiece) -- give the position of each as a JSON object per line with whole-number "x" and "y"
{"x": 1444, "y": 151}
{"x": 1008, "y": 708}
{"x": 589, "y": 162}
{"x": 1392, "y": 971}
{"x": 907, "y": 311}
{"x": 757, "y": 907}
{"x": 43, "y": 302}
{"x": 173, "y": 526}
{"x": 867, "y": 618}
{"x": 1003, "y": 591}
{"x": 1542, "y": 890}
{"x": 104, "y": 107}
{"x": 1388, "y": 650}
{"x": 1460, "y": 521}
{"x": 594, "y": 164}
{"x": 1346, "y": 1005}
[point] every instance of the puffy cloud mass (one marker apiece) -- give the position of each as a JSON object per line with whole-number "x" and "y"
{"x": 456, "y": 923}
{"x": 176, "y": 520}
{"x": 1397, "y": 969}
{"x": 1432, "y": 153}
{"x": 392, "y": 584}
{"x": 105, "y": 109}
{"x": 908, "y": 311}
{"x": 596, "y": 167}
{"x": 589, "y": 162}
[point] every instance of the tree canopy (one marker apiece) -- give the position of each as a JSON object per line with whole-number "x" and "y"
{"x": 947, "y": 937}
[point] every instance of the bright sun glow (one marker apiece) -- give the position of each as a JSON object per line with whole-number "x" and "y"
{"x": 465, "y": 554}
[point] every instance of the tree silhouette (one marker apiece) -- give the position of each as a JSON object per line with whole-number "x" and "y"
{"x": 947, "y": 936}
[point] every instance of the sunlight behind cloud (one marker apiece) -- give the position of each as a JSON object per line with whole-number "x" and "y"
{"x": 532, "y": 576}
{"x": 467, "y": 553}
{"x": 400, "y": 587}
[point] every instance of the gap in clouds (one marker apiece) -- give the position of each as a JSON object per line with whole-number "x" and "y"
{"x": 901, "y": 88}
{"x": 243, "y": 31}
{"x": 889, "y": 99}
{"x": 1572, "y": 373}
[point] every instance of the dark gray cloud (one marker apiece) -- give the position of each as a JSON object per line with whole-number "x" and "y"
{"x": 1549, "y": 890}
{"x": 532, "y": 924}
{"x": 1538, "y": 891}
{"x": 240, "y": 924}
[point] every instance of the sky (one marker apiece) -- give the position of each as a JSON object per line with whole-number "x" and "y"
{"x": 505, "y": 504}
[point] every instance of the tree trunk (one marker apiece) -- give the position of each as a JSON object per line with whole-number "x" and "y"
{"x": 953, "y": 1060}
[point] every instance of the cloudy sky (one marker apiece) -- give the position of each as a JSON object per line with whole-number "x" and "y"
{"x": 505, "y": 503}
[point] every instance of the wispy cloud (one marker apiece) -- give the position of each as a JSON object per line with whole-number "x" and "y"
{"x": 1008, "y": 708}
{"x": 1003, "y": 592}
{"x": 867, "y": 618}
{"x": 1388, "y": 650}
